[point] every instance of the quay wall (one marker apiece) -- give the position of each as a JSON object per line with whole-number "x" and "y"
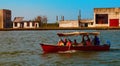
{"x": 58, "y": 28}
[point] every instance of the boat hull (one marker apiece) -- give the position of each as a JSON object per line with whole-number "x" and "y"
{"x": 54, "y": 48}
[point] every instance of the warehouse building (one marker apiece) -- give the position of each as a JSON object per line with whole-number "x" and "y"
{"x": 106, "y": 17}
{"x": 76, "y": 23}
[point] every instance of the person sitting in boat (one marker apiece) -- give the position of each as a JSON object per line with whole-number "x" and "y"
{"x": 69, "y": 43}
{"x": 65, "y": 41}
{"x": 83, "y": 41}
{"x": 60, "y": 43}
{"x": 75, "y": 43}
{"x": 88, "y": 42}
{"x": 96, "y": 40}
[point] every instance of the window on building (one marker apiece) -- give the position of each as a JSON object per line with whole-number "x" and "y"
{"x": 33, "y": 23}
{"x": 22, "y": 25}
{"x": 28, "y": 24}
{"x": 15, "y": 24}
{"x": 92, "y": 23}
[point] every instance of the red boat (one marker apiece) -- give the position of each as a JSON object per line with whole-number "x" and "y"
{"x": 54, "y": 48}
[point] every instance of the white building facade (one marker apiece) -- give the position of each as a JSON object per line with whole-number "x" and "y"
{"x": 86, "y": 23}
{"x": 19, "y": 23}
{"x": 76, "y": 23}
{"x": 69, "y": 23}
{"x": 26, "y": 24}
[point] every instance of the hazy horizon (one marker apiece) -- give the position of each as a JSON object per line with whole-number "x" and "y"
{"x": 29, "y": 9}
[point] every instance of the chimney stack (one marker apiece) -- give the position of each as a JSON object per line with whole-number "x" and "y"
{"x": 62, "y": 18}
{"x": 56, "y": 18}
{"x": 79, "y": 16}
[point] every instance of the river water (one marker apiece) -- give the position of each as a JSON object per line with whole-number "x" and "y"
{"x": 21, "y": 48}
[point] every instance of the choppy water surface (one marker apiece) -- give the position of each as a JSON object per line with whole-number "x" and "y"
{"x": 21, "y": 48}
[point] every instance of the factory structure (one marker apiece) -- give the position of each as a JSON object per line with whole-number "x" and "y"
{"x": 106, "y": 17}
{"x": 103, "y": 17}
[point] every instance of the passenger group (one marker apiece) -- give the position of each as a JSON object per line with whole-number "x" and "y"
{"x": 86, "y": 41}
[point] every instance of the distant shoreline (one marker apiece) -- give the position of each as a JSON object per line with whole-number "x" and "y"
{"x": 57, "y": 28}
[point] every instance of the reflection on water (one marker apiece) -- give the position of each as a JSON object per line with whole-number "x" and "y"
{"x": 115, "y": 50}
{"x": 21, "y": 48}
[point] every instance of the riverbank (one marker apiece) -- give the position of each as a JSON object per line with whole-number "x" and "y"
{"x": 58, "y": 28}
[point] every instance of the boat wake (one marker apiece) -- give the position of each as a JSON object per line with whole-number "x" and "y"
{"x": 68, "y": 51}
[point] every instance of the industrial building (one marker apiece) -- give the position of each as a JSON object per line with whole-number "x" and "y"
{"x": 103, "y": 17}
{"x": 76, "y": 23}
{"x": 5, "y": 18}
{"x": 69, "y": 23}
{"x": 86, "y": 23}
{"x": 106, "y": 17}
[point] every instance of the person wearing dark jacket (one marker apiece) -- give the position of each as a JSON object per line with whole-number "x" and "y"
{"x": 96, "y": 41}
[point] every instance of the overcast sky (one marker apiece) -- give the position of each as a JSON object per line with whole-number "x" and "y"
{"x": 29, "y": 9}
